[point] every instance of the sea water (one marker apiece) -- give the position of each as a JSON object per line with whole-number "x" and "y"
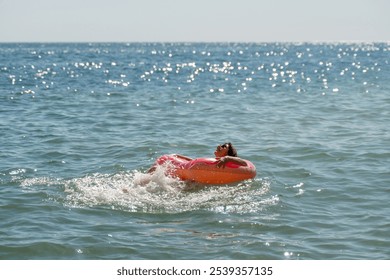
{"x": 80, "y": 124}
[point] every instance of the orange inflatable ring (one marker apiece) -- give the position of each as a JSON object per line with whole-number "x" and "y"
{"x": 205, "y": 170}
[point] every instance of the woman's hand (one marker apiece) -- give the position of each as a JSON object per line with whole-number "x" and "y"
{"x": 221, "y": 162}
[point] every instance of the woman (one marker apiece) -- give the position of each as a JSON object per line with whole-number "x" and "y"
{"x": 223, "y": 154}
{"x": 227, "y": 153}
{"x": 207, "y": 171}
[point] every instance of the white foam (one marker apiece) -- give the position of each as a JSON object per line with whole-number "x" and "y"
{"x": 139, "y": 192}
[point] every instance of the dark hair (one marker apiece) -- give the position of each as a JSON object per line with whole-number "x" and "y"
{"x": 231, "y": 151}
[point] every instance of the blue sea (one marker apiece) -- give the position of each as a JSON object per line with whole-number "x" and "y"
{"x": 80, "y": 124}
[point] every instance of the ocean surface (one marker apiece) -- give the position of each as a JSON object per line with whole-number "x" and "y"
{"x": 81, "y": 123}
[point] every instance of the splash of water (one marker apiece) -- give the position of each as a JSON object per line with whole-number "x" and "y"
{"x": 135, "y": 191}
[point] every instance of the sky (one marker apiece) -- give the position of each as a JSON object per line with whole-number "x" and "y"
{"x": 194, "y": 21}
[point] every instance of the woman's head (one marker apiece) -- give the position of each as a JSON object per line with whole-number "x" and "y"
{"x": 226, "y": 149}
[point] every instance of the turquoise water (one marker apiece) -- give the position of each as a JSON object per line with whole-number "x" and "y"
{"x": 81, "y": 123}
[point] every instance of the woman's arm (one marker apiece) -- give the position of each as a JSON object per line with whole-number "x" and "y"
{"x": 223, "y": 160}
